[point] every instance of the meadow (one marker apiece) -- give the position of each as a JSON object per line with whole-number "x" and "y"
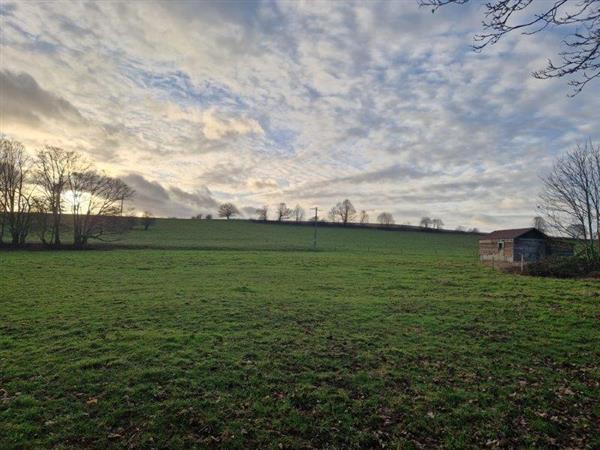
{"x": 237, "y": 335}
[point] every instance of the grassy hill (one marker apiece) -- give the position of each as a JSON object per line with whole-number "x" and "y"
{"x": 232, "y": 335}
{"x": 247, "y": 235}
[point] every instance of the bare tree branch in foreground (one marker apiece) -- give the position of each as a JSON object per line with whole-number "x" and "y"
{"x": 580, "y": 56}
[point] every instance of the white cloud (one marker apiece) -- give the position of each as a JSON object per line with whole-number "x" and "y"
{"x": 216, "y": 128}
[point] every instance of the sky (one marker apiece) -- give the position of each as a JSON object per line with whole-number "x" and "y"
{"x": 384, "y": 103}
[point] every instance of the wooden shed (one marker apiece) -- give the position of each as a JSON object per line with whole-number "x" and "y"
{"x": 529, "y": 243}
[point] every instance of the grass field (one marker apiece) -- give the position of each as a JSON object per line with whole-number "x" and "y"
{"x": 234, "y": 335}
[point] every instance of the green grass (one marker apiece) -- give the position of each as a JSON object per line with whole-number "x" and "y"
{"x": 382, "y": 338}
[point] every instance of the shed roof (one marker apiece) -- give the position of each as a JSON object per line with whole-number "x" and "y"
{"x": 512, "y": 234}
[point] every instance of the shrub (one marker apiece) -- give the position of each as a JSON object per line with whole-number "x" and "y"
{"x": 565, "y": 267}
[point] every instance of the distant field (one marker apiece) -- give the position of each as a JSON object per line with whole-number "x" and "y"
{"x": 247, "y": 235}
{"x": 234, "y": 335}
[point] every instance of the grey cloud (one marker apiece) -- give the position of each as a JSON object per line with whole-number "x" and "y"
{"x": 201, "y": 198}
{"x": 230, "y": 173}
{"x": 146, "y": 191}
{"x": 24, "y": 100}
{"x": 249, "y": 211}
{"x": 7, "y": 9}
{"x": 170, "y": 201}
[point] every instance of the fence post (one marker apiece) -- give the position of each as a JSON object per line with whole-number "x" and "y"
{"x": 521, "y": 262}
{"x": 315, "y": 234}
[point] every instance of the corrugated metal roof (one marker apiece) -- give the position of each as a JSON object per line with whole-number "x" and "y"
{"x": 510, "y": 234}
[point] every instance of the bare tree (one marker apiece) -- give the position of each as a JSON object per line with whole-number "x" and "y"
{"x": 575, "y": 231}
{"x": 438, "y": 224}
{"x": 425, "y": 222}
{"x": 581, "y": 19}
{"x": 148, "y": 220}
{"x": 344, "y": 212}
{"x": 283, "y": 212}
{"x": 364, "y": 217}
{"x": 571, "y": 194}
{"x": 96, "y": 206}
{"x": 262, "y": 213}
{"x": 299, "y": 213}
{"x": 54, "y": 166}
{"x": 228, "y": 210}
{"x": 540, "y": 223}
{"x": 16, "y": 194}
{"x": 385, "y": 218}
{"x": 332, "y": 215}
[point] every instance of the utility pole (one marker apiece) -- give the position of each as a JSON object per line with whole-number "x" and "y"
{"x": 316, "y": 220}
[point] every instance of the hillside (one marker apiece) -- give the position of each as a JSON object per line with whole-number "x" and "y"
{"x": 248, "y": 340}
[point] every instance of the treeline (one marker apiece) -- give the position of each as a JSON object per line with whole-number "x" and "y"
{"x": 343, "y": 213}
{"x": 55, "y": 192}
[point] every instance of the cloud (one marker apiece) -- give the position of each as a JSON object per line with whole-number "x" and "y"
{"x": 23, "y": 100}
{"x": 256, "y": 184}
{"x": 168, "y": 201}
{"x": 307, "y": 102}
{"x": 216, "y": 127}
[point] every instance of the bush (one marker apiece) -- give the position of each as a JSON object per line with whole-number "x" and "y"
{"x": 565, "y": 267}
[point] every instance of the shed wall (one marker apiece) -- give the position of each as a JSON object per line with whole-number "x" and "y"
{"x": 489, "y": 250}
{"x": 531, "y": 249}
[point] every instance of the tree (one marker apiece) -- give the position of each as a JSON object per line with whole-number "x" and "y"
{"x": 580, "y": 55}
{"x": 426, "y": 222}
{"x": 299, "y": 213}
{"x": 332, "y": 215}
{"x": 364, "y": 217}
{"x": 208, "y": 217}
{"x": 262, "y": 213}
{"x": 197, "y": 216}
{"x": 344, "y": 212}
{"x": 461, "y": 228}
{"x": 539, "y": 223}
{"x": 148, "y": 220}
{"x": 228, "y": 210}
{"x": 438, "y": 224}
{"x": 575, "y": 231}
{"x": 16, "y": 194}
{"x": 571, "y": 195}
{"x": 96, "y": 206}
{"x": 385, "y": 218}
{"x": 54, "y": 166}
{"x": 283, "y": 212}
